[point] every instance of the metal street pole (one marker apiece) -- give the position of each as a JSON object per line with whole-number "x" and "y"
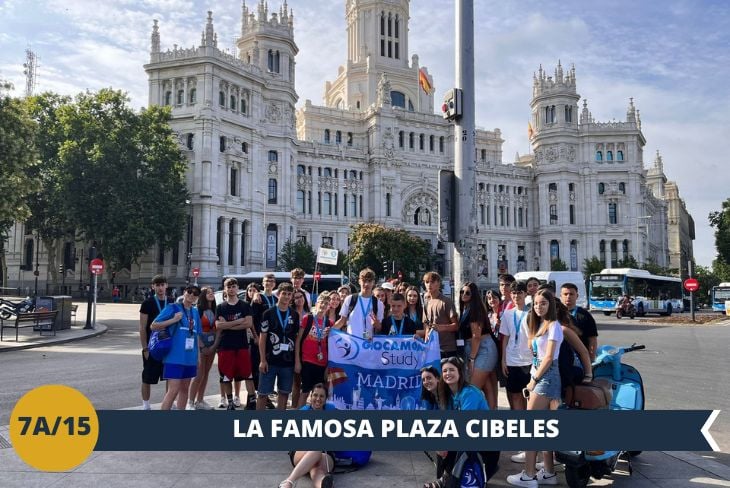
{"x": 691, "y": 294}
{"x": 464, "y": 165}
{"x": 90, "y": 299}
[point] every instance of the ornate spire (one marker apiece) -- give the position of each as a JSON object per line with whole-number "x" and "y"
{"x": 658, "y": 163}
{"x": 631, "y": 111}
{"x": 585, "y": 115}
{"x": 559, "y": 73}
{"x": 209, "y": 38}
{"x": 244, "y": 17}
{"x": 155, "y": 38}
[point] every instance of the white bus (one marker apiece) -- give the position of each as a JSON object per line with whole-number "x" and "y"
{"x": 651, "y": 293}
{"x": 556, "y": 279}
{"x": 719, "y": 295}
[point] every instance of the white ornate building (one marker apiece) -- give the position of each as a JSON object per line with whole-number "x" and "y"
{"x": 262, "y": 172}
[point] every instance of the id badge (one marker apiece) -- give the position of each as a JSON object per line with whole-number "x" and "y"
{"x": 283, "y": 347}
{"x": 320, "y": 356}
{"x": 189, "y": 343}
{"x": 460, "y": 342}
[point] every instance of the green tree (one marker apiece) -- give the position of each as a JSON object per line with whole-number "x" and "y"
{"x": 707, "y": 279}
{"x": 558, "y": 264}
{"x": 122, "y": 175}
{"x": 297, "y": 254}
{"x": 592, "y": 266}
{"x": 720, "y": 220}
{"x": 628, "y": 262}
{"x": 373, "y": 244}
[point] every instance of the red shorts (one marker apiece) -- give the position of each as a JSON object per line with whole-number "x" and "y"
{"x": 234, "y": 364}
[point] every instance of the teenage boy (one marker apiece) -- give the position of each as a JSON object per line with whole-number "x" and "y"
{"x": 516, "y": 353}
{"x": 505, "y": 280}
{"x": 581, "y": 318}
{"x": 262, "y": 301}
{"x": 148, "y": 312}
{"x": 297, "y": 280}
{"x": 532, "y": 285}
{"x": 362, "y": 313}
{"x": 439, "y": 315}
{"x": 234, "y": 318}
{"x": 397, "y": 322}
{"x": 277, "y": 343}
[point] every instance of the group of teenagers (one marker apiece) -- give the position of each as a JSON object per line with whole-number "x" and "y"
{"x": 527, "y": 337}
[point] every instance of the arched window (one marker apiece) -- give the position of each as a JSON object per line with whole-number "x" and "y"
{"x": 401, "y": 139}
{"x": 622, "y": 188}
{"x": 601, "y": 188}
{"x": 234, "y": 182}
{"x": 338, "y": 137}
{"x": 222, "y": 144}
{"x": 614, "y": 253}
{"x": 484, "y": 155}
{"x": 244, "y": 106}
{"x": 180, "y": 97}
{"x": 244, "y": 147}
{"x": 192, "y": 96}
{"x": 619, "y": 155}
{"x": 430, "y": 143}
{"x": 300, "y": 201}
{"x": 599, "y": 156}
{"x": 382, "y": 23}
{"x": 441, "y": 144}
{"x": 609, "y": 155}
{"x": 397, "y": 27}
{"x": 613, "y": 213}
{"x": 191, "y": 138}
{"x": 273, "y": 157}
{"x": 221, "y": 99}
{"x": 328, "y": 172}
{"x": 553, "y": 187}
{"x": 568, "y": 114}
{"x": 326, "y": 136}
{"x": 421, "y": 141}
{"x": 301, "y": 170}
{"x": 625, "y": 249}
{"x": 602, "y": 251}
{"x": 168, "y": 98}
{"x": 553, "y": 214}
{"x": 272, "y": 190}
{"x": 353, "y": 205}
{"x": 273, "y": 61}
{"x": 410, "y": 140}
{"x": 554, "y": 250}
{"x": 398, "y": 99}
{"x": 349, "y": 139}
{"x": 233, "y": 102}
{"x": 327, "y": 203}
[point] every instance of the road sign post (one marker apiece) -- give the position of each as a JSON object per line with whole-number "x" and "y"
{"x": 691, "y": 285}
{"x": 96, "y": 266}
{"x": 196, "y": 273}
{"x": 89, "y": 298}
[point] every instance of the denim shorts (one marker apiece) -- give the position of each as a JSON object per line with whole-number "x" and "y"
{"x": 486, "y": 357}
{"x": 284, "y": 377}
{"x": 549, "y": 384}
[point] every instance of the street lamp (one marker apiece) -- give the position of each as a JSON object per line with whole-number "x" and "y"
{"x": 263, "y": 230}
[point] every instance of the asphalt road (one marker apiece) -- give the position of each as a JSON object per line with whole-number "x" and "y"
{"x": 683, "y": 366}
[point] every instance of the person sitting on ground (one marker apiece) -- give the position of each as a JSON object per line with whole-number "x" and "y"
{"x": 318, "y": 464}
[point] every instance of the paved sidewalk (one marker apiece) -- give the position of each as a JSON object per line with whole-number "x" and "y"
{"x": 267, "y": 469}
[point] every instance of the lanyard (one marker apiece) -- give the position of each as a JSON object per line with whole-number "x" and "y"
{"x": 159, "y": 308}
{"x": 365, "y": 311}
{"x": 535, "y": 361}
{"x": 414, "y": 317}
{"x": 285, "y": 321}
{"x": 399, "y": 330}
{"x": 464, "y": 316}
{"x": 319, "y": 327}
{"x": 269, "y": 303}
{"x": 189, "y": 318}
{"x": 574, "y": 313}
{"x": 517, "y": 322}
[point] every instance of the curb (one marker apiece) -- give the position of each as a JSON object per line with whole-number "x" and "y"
{"x": 99, "y": 330}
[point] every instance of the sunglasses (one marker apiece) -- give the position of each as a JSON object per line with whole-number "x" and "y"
{"x": 466, "y": 293}
{"x": 193, "y": 292}
{"x": 453, "y": 359}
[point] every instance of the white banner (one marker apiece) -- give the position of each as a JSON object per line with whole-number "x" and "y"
{"x": 327, "y": 256}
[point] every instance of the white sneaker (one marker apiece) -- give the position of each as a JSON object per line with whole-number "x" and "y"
{"x": 190, "y": 406}
{"x": 545, "y": 478}
{"x": 519, "y": 457}
{"x": 147, "y": 407}
{"x": 556, "y": 466}
{"x": 236, "y": 401}
{"x": 203, "y": 405}
{"x": 522, "y": 479}
{"x": 174, "y": 406}
{"x": 223, "y": 403}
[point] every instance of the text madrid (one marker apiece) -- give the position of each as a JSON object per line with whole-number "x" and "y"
{"x": 418, "y": 428}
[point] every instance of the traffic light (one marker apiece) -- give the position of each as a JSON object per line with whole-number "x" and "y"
{"x": 60, "y": 269}
{"x": 385, "y": 268}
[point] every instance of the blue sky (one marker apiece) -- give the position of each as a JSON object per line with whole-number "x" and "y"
{"x": 672, "y": 57}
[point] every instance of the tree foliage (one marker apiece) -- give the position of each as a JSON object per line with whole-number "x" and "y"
{"x": 720, "y": 220}
{"x": 558, "y": 264}
{"x": 120, "y": 175}
{"x": 18, "y": 158}
{"x": 373, "y": 244}
{"x": 297, "y": 254}
{"x": 592, "y": 266}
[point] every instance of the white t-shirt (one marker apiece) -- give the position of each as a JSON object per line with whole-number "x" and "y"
{"x": 554, "y": 333}
{"x": 518, "y": 351}
{"x": 357, "y": 323}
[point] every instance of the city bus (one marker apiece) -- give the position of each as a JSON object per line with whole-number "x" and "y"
{"x": 718, "y": 295}
{"x": 651, "y": 293}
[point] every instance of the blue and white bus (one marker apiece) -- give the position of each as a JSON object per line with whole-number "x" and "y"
{"x": 718, "y": 295}
{"x": 651, "y": 293}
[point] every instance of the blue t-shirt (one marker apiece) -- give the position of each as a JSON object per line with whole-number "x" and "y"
{"x": 327, "y": 406}
{"x": 181, "y": 331}
{"x": 469, "y": 398}
{"x": 427, "y": 405}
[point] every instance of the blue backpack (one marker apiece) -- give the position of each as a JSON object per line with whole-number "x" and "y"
{"x": 468, "y": 471}
{"x": 351, "y": 459}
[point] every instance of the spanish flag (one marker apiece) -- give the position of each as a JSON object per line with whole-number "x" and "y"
{"x": 423, "y": 81}
{"x": 530, "y": 132}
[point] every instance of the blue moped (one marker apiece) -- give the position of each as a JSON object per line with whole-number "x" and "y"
{"x": 626, "y": 389}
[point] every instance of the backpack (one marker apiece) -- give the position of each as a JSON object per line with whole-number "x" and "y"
{"x": 349, "y": 461}
{"x": 468, "y": 471}
{"x": 353, "y": 301}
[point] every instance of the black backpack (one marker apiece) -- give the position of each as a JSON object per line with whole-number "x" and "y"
{"x": 353, "y": 301}
{"x": 468, "y": 471}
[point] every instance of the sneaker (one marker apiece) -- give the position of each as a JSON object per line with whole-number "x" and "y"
{"x": 190, "y": 406}
{"x": 522, "y": 479}
{"x": 173, "y": 407}
{"x": 545, "y": 478}
{"x": 236, "y": 401}
{"x": 519, "y": 457}
{"x": 231, "y": 406}
{"x": 203, "y": 405}
{"x": 223, "y": 403}
{"x": 147, "y": 407}
{"x": 270, "y": 405}
{"x": 556, "y": 466}
{"x": 251, "y": 404}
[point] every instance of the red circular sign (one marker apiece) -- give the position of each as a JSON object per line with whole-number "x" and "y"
{"x": 196, "y": 272}
{"x": 691, "y": 284}
{"x": 317, "y": 276}
{"x": 96, "y": 266}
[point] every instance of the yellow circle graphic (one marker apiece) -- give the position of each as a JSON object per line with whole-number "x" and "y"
{"x": 54, "y": 428}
